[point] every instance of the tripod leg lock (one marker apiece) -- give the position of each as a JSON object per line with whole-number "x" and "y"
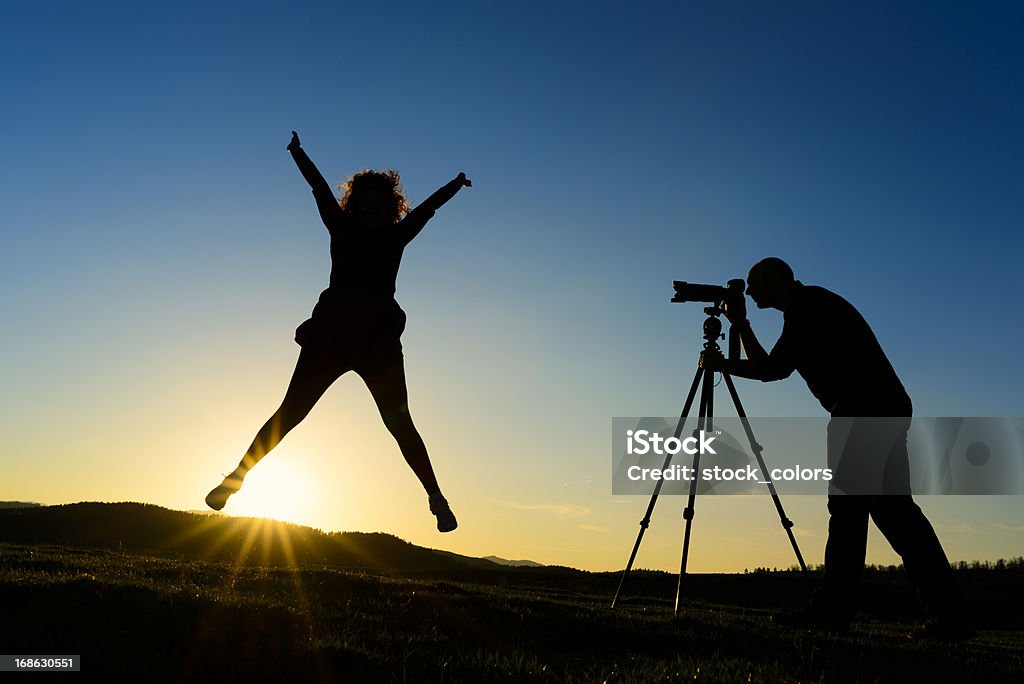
{"x": 787, "y": 523}
{"x": 687, "y": 514}
{"x": 645, "y": 523}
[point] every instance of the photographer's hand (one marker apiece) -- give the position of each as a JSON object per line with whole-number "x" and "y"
{"x": 712, "y": 360}
{"x": 736, "y": 309}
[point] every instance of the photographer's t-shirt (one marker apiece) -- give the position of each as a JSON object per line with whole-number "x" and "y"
{"x": 827, "y": 341}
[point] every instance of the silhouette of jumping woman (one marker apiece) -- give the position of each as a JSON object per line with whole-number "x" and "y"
{"x": 356, "y": 324}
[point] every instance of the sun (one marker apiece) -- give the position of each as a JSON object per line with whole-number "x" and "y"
{"x": 277, "y": 489}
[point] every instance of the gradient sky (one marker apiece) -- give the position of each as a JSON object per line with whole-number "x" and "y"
{"x": 159, "y": 246}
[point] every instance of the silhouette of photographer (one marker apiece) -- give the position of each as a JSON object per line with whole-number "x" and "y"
{"x": 356, "y": 324}
{"x": 826, "y": 340}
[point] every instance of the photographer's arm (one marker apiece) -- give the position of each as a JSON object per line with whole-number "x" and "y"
{"x": 751, "y": 345}
{"x": 759, "y": 364}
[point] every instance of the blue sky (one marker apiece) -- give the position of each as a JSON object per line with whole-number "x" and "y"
{"x": 159, "y": 246}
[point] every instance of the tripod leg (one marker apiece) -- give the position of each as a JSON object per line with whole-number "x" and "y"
{"x": 706, "y": 414}
{"x": 756, "y": 448}
{"x": 645, "y": 523}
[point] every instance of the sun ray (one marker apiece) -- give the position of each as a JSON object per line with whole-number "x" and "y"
{"x": 267, "y": 541}
{"x": 220, "y": 528}
{"x": 244, "y": 549}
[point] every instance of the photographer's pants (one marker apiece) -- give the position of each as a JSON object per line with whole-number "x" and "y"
{"x": 911, "y": 536}
{"x": 871, "y": 464}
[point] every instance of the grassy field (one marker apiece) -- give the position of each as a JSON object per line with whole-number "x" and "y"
{"x": 181, "y": 619}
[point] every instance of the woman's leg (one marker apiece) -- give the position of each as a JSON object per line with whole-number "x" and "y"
{"x": 387, "y": 385}
{"x": 314, "y": 372}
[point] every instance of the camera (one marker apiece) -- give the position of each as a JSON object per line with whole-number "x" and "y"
{"x": 712, "y": 294}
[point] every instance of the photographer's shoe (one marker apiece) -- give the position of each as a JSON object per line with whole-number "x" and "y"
{"x": 446, "y": 521}
{"x": 218, "y": 496}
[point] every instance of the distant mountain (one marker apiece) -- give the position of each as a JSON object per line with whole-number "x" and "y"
{"x": 514, "y": 563}
{"x": 18, "y": 504}
{"x": 146, "y": 528}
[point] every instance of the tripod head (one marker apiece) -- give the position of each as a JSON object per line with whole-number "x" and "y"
{"x": 712, "y": 327}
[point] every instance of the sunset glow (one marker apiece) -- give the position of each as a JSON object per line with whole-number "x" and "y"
{"x": 279, "y": 490}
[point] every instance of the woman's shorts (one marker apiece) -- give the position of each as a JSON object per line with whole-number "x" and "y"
{"x": 365, "y": 333}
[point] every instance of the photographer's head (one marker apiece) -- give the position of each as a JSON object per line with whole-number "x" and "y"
{"x": 769, "y": 283}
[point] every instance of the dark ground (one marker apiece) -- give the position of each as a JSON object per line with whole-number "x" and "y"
{"x": 167, "y": 616}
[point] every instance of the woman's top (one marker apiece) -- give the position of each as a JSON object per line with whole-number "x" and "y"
{"x": 365, "y": 259}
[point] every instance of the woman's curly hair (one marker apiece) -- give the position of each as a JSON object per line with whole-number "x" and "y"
{"x": 386, "y": 183}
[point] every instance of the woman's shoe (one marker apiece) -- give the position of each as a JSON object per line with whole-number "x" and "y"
{"x": 218, "y": 496}
{"x": 446, "y": 521}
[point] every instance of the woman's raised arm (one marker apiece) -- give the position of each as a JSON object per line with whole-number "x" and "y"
{"x": 417, "y": 218}
{"x": 326, "y": 202}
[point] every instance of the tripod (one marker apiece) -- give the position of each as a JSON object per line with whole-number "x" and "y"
{"x": 704, "y": 378}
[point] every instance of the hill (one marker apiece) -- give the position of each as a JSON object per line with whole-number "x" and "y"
{"x": 514, "y": 563}
{"x": 993, "y": 590}
{"x": 253, "y": 541}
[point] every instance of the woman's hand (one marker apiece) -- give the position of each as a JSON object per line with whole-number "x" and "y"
{"x": 466, "y": 183}
{"x": 294, "y": 144}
